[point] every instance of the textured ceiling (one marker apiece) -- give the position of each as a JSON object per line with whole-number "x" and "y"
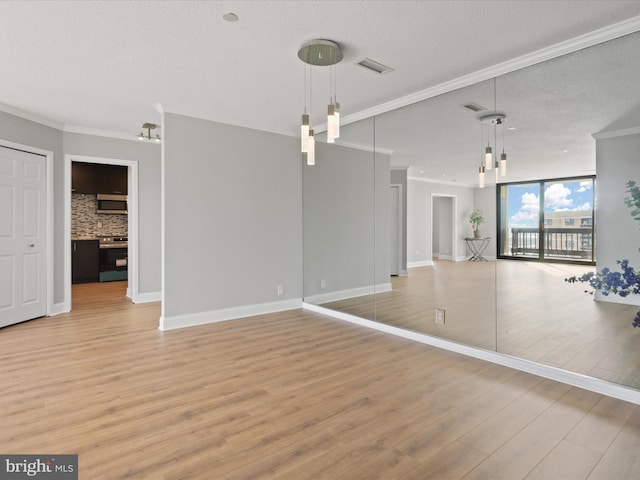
{"x": 106, "y": 65}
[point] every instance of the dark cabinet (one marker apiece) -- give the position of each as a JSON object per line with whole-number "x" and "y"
{"x": 93, "y": 178}
{"x": 85, "y": 261}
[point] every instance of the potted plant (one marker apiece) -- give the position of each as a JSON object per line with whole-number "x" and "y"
{"x": 476, "y": 219}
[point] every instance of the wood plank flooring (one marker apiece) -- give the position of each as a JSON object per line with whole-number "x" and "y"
{"x": 294, "y": 395}
{"x": 524, "y": 309}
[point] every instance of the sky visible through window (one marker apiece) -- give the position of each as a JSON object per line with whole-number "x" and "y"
{"x": 524, "y": 200}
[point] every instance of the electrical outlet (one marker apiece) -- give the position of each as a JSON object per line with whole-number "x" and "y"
{"x": 280, "y": 290}
{"x": 440, "y": 316}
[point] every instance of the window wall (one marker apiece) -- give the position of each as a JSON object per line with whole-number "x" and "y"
{"x": 548, "y": 220}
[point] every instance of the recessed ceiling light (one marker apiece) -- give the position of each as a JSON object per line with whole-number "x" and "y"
{"x": 421, "y": 171}
{"x": 565, "y": 151}
{"x": 511, "y": 128}
{"x": 230, "y": 17}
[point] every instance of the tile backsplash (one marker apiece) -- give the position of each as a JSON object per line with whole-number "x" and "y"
{"x": 85, "y": 222}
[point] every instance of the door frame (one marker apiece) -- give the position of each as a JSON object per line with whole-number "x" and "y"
{"x": 399, "y": 213}
{"x": 132, "y": 222}
{"x": 48, "y": 251}
{"x": 454, "y": 224}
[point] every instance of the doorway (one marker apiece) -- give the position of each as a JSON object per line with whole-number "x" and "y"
{"x": 395, "y": 230}
{"x": 443, "y": 227}
{"x": 132, "y": 222}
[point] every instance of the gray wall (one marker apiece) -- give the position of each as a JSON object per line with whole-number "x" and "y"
{"x": 346, "y": 236}
{"x": 419, "y": 218}
{"x": 232, "y": 216}
{"x": 147, "y": 154}
{"x": 25, "y": 132}
{"x": 617, "y": 233}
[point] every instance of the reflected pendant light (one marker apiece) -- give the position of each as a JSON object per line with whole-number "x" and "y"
{"x": 481, "y": 177}
{"x": 503, "y": 163}
{"x": 488, "y": 157}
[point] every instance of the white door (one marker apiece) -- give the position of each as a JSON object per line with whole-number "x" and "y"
{"x": 23, "y": 261}
{"x": 394, "y": 231}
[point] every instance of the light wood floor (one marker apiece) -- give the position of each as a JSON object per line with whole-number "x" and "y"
{"x": 524, "y": 309}
{"x": 292, "y": 396}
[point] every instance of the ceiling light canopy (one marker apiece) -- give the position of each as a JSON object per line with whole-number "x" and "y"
{"x": 148, "y": 127}
{"x": 320, "y": 53}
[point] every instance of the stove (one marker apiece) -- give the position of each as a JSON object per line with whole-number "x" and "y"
{"x": 113, "y": 257}
{"x": 112, "y": 241}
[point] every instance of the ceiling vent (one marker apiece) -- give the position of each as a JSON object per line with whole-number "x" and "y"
{"x": 375, "y": 66}
{"x": 474, "y": 106}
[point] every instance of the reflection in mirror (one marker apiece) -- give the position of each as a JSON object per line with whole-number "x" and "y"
{"x": 526, "y": 308}
{"x": 568, "y": 121}
{"x": 587, "y": 123}
{"x": 340, "y": 223}
{"x": 438, "y": 291}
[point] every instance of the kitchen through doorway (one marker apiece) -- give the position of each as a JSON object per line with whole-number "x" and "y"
{"x": 100, "y": 225}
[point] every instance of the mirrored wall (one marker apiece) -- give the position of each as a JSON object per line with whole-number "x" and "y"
{"x": 387, "y": 235}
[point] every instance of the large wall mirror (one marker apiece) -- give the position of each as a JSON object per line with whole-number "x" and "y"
{"x": 386, "y": 209}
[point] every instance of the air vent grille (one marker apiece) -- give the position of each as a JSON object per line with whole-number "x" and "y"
{"x": 375, "y": 66}
{"x": 474, "y": 106}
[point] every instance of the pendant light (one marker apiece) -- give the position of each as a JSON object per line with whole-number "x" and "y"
{"x": 333, "y": 110}
{"x": 481, "y": 177}
{"x": 304, "y": 134}
{"x": 320, "y": 53}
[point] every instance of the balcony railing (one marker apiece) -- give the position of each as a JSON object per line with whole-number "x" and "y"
{"x": 574, "y": 243}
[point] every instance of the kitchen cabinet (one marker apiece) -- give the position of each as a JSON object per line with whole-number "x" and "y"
{"x": 94, "y": 178}
{"x": 85, "y": 261}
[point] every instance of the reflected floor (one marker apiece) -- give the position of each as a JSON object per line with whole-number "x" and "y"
{"x": 540, "y": 317}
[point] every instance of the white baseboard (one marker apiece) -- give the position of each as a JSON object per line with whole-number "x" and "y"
{"x": 631, "y": 299}
{"x": 444, "y": 257}
{"x": 421, "y": 263}
{"x": 403, "y": 273}
{"x": 147, "y": 297}
{"x": 603, "y": 387}
{"x": 348, "y": 293}
{"x": 222, "y": 315}
{"x": 58, "y": 308}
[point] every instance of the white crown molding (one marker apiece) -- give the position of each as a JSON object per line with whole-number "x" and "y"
{"x": 103, "y": 133}
{"x": 363, "y": 147}
{"x": 442, "y": 182}
{"x": 617, "y": 133}
{"x": 601, "y": 35}
{"x": 30, "y": 116}
{"x": 164, "y": 109}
